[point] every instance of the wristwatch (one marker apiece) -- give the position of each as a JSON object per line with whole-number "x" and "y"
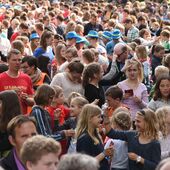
{"x": 138, "y": 160}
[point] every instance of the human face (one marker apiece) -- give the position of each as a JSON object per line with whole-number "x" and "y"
{"x": 27, "y": 69}
{"x": 132, "y": 72}
{"x": 15, "y": 62}
{"x": 96, "y": 121}
{"x": 62, "y": 52}
{"x": 36, "y": 42}
{"x": 74, "y": 77}
{"x": 49, "y": 41}
{"x": 164, "y": 88}
{"x": 59, "y": 100}
{"x": 68, "y": 57}
{"x": 112, "y": 102}
{"x": 47, "y": 162}
{"x": 123, "y": 55}
{"x": 74, "y": 109}
{"x": 139, "y": 123}
{"x": 160, "y": 54}
{"x": 93, "y": 20}
{"x": 23, "y": 132}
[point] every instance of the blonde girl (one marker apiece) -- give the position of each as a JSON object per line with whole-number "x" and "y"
{"x": 163, "y": 115}
{"x": 120, "y": 121}
{"x": 135, "y": 94}
{"x": 88, "y": 138}
{"x": 143, "y": 146}
{"x": 142, "y": 56}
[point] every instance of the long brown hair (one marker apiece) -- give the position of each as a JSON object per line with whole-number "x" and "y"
{"x": 10, "y": 108}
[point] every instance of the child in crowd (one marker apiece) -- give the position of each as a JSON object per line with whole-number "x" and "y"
{"x": 43, "y": 98}
{"x": 143, "y": 146}
{"x": 57, "y": 107}
{"x": 92, "y": 90}
{"x": 142, "y": 56}
{"x": 161, "y": 96}
{"x": 163, "y": 115}
{"x": 165, "y": 40}
{"x": 71, "y": 96}
{"x": 89, "y": 140}
{"x": 120, "y": 121}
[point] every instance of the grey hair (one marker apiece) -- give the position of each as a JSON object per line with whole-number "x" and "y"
{"x": 77, "y": 161}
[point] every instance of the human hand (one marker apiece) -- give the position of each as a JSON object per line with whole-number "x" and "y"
{"x": 132, "y": 156}
{"x": 57, "y": 113}
{"x": 114, "y": 57}
{"x": 136, "y": 99}
{"x": 109, "y": 151}
{"x": 95, "y": 102}
{"x": 23, "y": 95}
{"x": 69, "y": 133}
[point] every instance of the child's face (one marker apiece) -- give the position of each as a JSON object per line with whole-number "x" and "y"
{"x": 111, "y": 102}
{"x": 164, "y": 88}
{"x": 164, "y": 38}
{"x": 59, "y": 100}
{"x": 132, "y": 72}
{"x": 139, "y": 123}
{"x": 74, "y": 109}
{"x": 160, "y": 54}
{"x": 96, "y": 121}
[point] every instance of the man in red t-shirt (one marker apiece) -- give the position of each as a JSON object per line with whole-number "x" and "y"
{"x": 13, "y": 79}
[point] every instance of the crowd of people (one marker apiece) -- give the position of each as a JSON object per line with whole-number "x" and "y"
{"x": 84, "y": 85}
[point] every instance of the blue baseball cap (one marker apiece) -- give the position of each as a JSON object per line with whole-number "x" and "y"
{"x": 116, "y": 34}
{"x": 34, "y": 36}
{"x": 93, "y": 34}
{"x": 71, "y": 34}
{"x": 81, "y": 39}
{"x": 107, "y": 34}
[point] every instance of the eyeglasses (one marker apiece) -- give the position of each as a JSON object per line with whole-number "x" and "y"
{"x": 125, "y": 51}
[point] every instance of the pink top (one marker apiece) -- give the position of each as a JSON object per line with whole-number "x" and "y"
{"x": 140, "y": 92}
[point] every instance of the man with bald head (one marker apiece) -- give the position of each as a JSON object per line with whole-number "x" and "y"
{"x": 119, "y": 56}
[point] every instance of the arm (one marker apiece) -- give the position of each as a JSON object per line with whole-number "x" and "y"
{"x": 152, "y": 105}
{"x": 144, "y": 99}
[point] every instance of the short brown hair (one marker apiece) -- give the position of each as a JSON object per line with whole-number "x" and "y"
{"x": 37, "y": 146}
{"x": 17, "y": 122}
{"x": 13, "y": 51}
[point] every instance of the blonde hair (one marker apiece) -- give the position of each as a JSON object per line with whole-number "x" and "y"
{"x": 122, "y": 119}
{"x": 134, "y": 62}
{"x": 141, "y": 52}
{"x": 151, "y": 123}
{"x": 58, "y": 90}
{"x": 79, "y": 101}
{"x": 121, "y": 109}
{"x": 71, "y": 96}
{"x": 162, "y": 114}
{"x": 70, "y": 27}
{"x": 88, "y": 111}
{"x": 161, "y": 70}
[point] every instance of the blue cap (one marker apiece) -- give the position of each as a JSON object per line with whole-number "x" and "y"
{"x": 81, "y": 39}
{"x": 107, "y": 34}
{"x": 34, "y": 36}
{"x": 116, "y": 34}
{"x": 71, "y": 34}
{"x": 93, "y": 34}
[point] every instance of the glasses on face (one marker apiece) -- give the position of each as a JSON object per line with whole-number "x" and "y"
{"x": 125, "y": 51}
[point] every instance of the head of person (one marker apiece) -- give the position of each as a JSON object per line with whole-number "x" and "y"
{"x": 121, "y": 50}
{"x": 164, "y": 164}
{"x": 133, "y": 69}
{"x": 159, "y": 51}
{"x": 121, "y": 121}
{"x": 23, "y": 28}
{"x": 78, "y": 161}
{"x": 8, "y": 111}
{"x": 93, "y": 71}
{"x": 147, "y": 124}
{"x": 76, "y": 106}
{"x": 141, "y": 53}
{"x": 46, "y": 39}
{"x": 34, "y": 40}
{"x": 161, "y": 70}
{"x": 71, "y": 53}
{"x": 59, "y": 96}
{"x": 165, "y": 35}
{"x": 128, "y": 23}
{"x": 29, "y": 65}
{"x": 88, "y": 56}
{"x": 71, "y": 96}
{"x": 163, "y": 115}
{"x": 162, "y": 88}
{"x": 166, "y": 61}
{"x": 19, "y": 129}
{"x": 93, "y": 37}
{"x": 145, "y": 33}
{"x": 44, "y": 95}
{"x": 71, "y": 37}
{"x": 14, "y": 58}
{"x": 114, "y": 96}
{"x": 40, "y": 152}
{"x": 94, "y": 18}
{"x": 89, "y": 120}
{"x": 74, "y": 71}
{"x": 19, "y": 45}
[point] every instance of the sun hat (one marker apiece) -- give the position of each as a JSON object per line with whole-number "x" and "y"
{"x": 93, "y": 34}
{"x": 81, "y": 39}
{"x": 34, "y": 36}
{"x": 71, "y": 34}
{"x": 116, "y": 34}
{"x": 107, "y": 34}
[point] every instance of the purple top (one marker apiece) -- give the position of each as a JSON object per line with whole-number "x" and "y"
{"x": 140, "y": 92}
{"x": 17, "y": 161}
